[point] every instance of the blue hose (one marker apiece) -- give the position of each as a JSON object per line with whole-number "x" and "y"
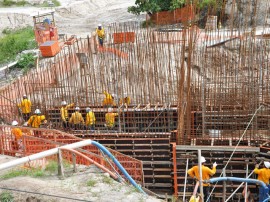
{"x": 237, "y": 179}
{"x": 266, "y": 200}
{"x": 101, "y": 147}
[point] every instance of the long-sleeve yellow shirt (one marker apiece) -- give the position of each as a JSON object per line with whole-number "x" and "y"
{"x": 25, "y": 106}
{"x": 206, "y": 173}
{"x": 17, "y": 133}
{"x": 90, "y": 118}
{"x": 100, "y": 33}
{"x": 110, "y": 118}
{"x": 263, "y": 174}
{"x": 125, "y": 100}
{"x": 36, "y": 120}
{"x": 76, "y": 118}
{"x": 64, "y": 111}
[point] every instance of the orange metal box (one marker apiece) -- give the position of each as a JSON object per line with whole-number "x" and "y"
{"x": 49, "y": 48}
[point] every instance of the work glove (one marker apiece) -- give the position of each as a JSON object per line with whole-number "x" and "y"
{"x": 215, "y": 164}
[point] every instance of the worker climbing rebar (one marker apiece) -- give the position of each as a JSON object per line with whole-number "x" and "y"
{"x": 109, "y": 100}
{"x": 76, "y": 119}
{"x": 64, "y": 114}
{"x": 125, "y": 100}
{"x": 101, "y": 34}
{"x": 264, "y": 176}
{"x": 206, "y": 174}
{"x": 25, "y": 107}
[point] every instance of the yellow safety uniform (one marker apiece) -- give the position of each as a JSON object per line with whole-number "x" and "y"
{"x": 64, "y": 111}
{"x": 17, "y": 132}
{"x": 206, "y": 173}
{"x": 25, "y": 106}
{"x": 108, "y": 100}
{"x": 263, "y": 174}
{"x": 76, "y": 118}
{"x": 36, "y": 120}
{"x": 90, "y": 118}
{"x": 100, "y": 33}
{"x": 110, "y": 119}
{"x": 125, "y": 100}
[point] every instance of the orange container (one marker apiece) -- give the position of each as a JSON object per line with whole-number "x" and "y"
{"x": 49, "y": 48}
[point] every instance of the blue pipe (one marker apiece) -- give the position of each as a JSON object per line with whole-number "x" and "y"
{"x": 106, "y": 151}
{"x": 266, "y": 200}
{"x": 237, "y": 179}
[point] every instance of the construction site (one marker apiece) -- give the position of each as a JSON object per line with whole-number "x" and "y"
{"x": 194, "y": 90}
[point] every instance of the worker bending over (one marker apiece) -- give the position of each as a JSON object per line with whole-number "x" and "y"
{"x": 109, "y": 99}
{"x": 263, "y": 175}
{"x": 25, "y": 107}
{"x": 64, "y": 114}
{"x": 36, "y": 120}
{"x": 76, "y": 119}
{"x": 110, "y": 118}
{"x": 206, "y": 174}
{"x": 90, "y": 120}
{"x": 101, "y": 34}
{"x": 17, "y": 135}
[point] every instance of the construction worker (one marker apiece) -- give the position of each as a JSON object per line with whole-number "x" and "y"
{"x": 264, "y": 176}
{"x": 206, "y": 174}
{"x": 64, "y": 114}
{"x": 25, "y": 107}
{"x": 90, "y": 120}
{"x": 110, "y": 118}
{"x": 109, "y": 99}
{"x": 101, "y": 34}
{"x": 125, "y": 100}
{"x": 36, "y": 120}
{"x": 18, "y": 136}
{"x": 76, "y": 119}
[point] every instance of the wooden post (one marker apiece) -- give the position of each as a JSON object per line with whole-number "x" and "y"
{"x": 60, "y": 164}
{"x": 224, "y": 186}
{"x": 74, "y": 162}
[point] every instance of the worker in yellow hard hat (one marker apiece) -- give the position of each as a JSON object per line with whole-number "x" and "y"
{"x": 25, "y": 107}
{"x": 108, "y": 101}
{"x": 101, "y": 34}
{"x": 125, "y": 100}
{"x": 264, "y": 176}
{"x": 206, "y": 174}
{"x": 110, "y": 118}
{"x": 64, "y": 113}
{"x": 76, "y": 119}
{"x": 90, "y": 120}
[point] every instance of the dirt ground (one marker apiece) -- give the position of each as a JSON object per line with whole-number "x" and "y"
{"x": 88, "y": 184}
{"x": 79, "y": 17}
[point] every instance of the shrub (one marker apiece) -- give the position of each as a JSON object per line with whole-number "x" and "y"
{"x": 26, "y": 61}
{"x": 6, "y": 197}
{"x": 14, "y": 42}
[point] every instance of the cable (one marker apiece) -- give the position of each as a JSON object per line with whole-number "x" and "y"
{"x": 235, "y": 148}
{"x": 51, "y": 195}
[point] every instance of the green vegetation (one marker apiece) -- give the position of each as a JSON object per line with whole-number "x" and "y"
{"x": 107, "y": 180}
{"x": 8, "y": 3}
{"x": 23, "y": 172}
{"x": 14, "y": 42}
{"x": 6, "y": 197}
{"x": 91, "y": 183}
{"x": 46, "y": 4}
{"x": 26, "y": 61}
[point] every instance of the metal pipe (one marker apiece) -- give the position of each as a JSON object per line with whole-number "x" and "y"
{"x": 43, "y": 154}
{"x": 185, "y": 184}
{"x": 200, "y": 172}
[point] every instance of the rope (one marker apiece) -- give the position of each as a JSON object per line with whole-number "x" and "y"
{"x": 51, "y": 195}
{"x": 235, "y": 148}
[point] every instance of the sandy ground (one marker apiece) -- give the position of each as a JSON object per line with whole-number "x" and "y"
{"x": 78, "y": 17}
{"x": 73, "y": 186}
